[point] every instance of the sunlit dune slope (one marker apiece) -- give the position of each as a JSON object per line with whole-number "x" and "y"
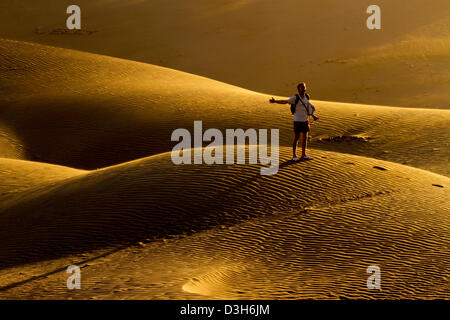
{"x": 264, "y": 45}
{"x": 89, "y": 111}
{"x": 310, "y": 231}
{"x": 19, "y": 175}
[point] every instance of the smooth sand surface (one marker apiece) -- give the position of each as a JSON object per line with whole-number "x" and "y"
{"x": 264, "y": 45}
{"x": 88, "y": 180}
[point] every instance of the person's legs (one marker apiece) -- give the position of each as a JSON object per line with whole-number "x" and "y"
{"x": 304, "y": 141}
{"x": 294, "y": 144}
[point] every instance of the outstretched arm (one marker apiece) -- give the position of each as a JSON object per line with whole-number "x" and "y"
{"x": 278, "y": 101}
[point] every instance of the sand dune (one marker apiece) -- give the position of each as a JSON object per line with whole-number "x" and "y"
{"x": 19, "y": 175}
{"x": 264, "y": 45}
{"x": 227, "y": 232}
{"x": 89, "y": 111}
{"x": 10, "y": 145}
{"x": 143, "y": 228}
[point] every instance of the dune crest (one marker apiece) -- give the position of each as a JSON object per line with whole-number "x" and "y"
{"x": 89, "y": 117}
{"x": 311, "y": 215}
{"x": 117, "y": 110}
{"x": 263, "y": 45}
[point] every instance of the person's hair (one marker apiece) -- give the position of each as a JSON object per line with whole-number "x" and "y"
{"x": 301, "y": 83}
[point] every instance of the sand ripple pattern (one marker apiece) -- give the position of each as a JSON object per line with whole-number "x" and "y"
{"x": 308, "y": 232}
{"x": 123, "y": 110}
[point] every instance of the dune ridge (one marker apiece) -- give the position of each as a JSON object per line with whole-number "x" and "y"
{"x": 262, "y": 45}
{"x": 338, "y": 208}
{"x": 85, "y": 147}
{"x": 118, "y": 110}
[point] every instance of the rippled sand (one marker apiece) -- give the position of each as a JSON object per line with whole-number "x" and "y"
{"x": 265, "y": 45}
{"x": 87, "y": 179}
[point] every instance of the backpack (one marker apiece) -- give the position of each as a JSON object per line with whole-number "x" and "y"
{"x": 297, "y": 98}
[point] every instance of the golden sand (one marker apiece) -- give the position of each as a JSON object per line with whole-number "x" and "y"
{"x": 265, "y": 45}
{"x": 86, "y": 175}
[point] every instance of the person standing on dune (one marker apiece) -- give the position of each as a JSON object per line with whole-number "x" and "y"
{"x": 301, "y": 109}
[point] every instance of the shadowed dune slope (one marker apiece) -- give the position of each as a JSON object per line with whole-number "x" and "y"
{"x": 264, "y": 45}
{"x": 89, "y": 111}
{"x": 10, "y": 144}
{"x": 311, "y": 229}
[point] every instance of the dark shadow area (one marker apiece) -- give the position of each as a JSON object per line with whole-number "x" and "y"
{"x": 41, "y": 276}
{"x": 121, "y": 216}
